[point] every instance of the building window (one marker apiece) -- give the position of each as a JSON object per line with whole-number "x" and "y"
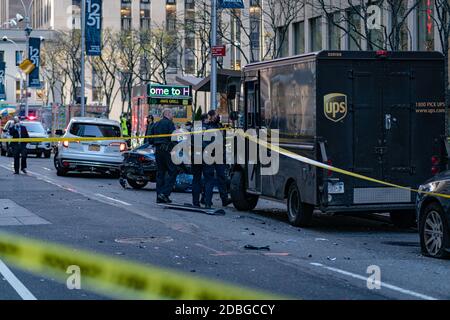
{"x": 189, "y": 4}
{"x": 282, "y": 42}
{"x": 403, "y": 25}
{"x": 125, "y": 14}
{"x": 19, "y": 57}
{"x": 299, "y": 37}
{"x": 171, "y": 15}
{"x": 334, "y": 33}
{"x": 145, "y": 14}
{"x": 255, "y": 30}
{"x": 315, "y": 33}
{"x": 425, "y": 26}
{"x": 354, "y": 27}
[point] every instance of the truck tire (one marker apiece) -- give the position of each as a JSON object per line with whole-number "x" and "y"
{"x": 403, "y": 218}
{"x": 242, "y": 201}
{"x": 299, "y": 213}
{"x": 137, "y": 184}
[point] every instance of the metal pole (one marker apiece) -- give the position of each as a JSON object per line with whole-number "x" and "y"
{"x": 213, "y": 59}
{"x": 83, "y": 49}
{"x": 27, "y": 33}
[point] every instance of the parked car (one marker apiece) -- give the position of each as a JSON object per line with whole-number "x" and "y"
{"x": 103, "y": 156}
{"x": 35, "y": 130}
{"x": 433, "y": 216}
{"x": 139, "y": 168}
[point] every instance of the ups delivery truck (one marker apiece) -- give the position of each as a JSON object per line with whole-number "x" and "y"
{"x": 379, "y": 114}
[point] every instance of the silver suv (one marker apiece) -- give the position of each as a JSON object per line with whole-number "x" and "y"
{"x": 93, "y": 156}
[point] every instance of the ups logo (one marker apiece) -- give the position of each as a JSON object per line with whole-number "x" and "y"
{"x": 335, "y": 106}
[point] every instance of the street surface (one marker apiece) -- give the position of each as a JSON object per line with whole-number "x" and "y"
{"x": 327, "y": 261}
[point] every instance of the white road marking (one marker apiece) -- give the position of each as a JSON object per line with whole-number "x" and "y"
{"x": 18, "y": 286}
{"x": 112, "y": 199}
{"x": 383, "y": 284}
{"x": 46, "y": 169}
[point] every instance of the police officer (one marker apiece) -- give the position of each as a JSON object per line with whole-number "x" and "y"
{"x": 163, "y": 147}
{"x": 216, "y": 168}
{"x": 150, "y": 124}
{"x": 18, "y": 131}
{"x": 197, "y": 168}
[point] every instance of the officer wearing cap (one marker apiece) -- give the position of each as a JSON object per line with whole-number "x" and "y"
{"x": 163, "y": 146}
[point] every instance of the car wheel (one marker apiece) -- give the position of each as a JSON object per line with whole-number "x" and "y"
{"x": 137, "y": 184}
{"x": 47, "y": 154}
{"x": 403, "y": 218}
{"x": 242, "y": 201}
{"x": 433, "y": 231}
{"x": 299, "y": 213}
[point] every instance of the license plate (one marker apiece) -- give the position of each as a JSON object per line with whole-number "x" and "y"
{"x": 31, "y": 147}
{"x": 335, "y": 188}
{"x": 94, "y": 147}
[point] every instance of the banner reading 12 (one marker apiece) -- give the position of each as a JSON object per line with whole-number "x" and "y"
{"x": 93, "y": 27}
{"x": 34, "y": 54}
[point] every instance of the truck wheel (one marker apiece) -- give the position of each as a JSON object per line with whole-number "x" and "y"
{"x": 434, "y": 233}
{"x": 137, "y": 184}
{"x": 242, "y": 201}
{"x": 47, "y": 154}
{"x": 403, "y": 218}
{"x": 299, "y": 213}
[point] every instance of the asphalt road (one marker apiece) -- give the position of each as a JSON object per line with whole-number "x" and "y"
{"x": 327, "y": 261}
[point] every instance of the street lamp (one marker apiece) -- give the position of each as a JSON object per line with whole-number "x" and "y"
{"x": 6, "y": 39}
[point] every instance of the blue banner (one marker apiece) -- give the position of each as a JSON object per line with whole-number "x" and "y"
{"x": 231, "y": 4}
{"x": 93, "y": 27}
{"x": 2, "y": 80}
{"x": 34, "y": 54}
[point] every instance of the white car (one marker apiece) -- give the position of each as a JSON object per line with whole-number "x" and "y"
{"x": 93, "y": 156}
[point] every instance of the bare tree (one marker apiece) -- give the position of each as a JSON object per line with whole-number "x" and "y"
{"x": 107, "y": 68}
{"x": 273, "y": 17}
{"x": 352, "y": 18}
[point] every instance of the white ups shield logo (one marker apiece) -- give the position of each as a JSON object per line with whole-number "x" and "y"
{"x": 335, "y": 106}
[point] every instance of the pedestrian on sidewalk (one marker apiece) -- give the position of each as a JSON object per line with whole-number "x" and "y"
{"x": 165, "y": 166}
{"x": 18, "y": 131}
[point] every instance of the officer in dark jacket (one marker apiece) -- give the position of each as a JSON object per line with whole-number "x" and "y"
{"x": 150, "y": 124}
{"x": 18, "y": 131}
{"x": 163, "y": 147}
{"x": 197, "y": 164}
{"x": 216, "y": 168}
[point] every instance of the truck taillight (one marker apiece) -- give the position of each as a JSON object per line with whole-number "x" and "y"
{"x": 435, "y": 161}
{"x": 329, "y": 172}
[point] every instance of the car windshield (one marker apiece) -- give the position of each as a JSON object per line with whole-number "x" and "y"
{"x": 94, "y": 130}
{"x": 34, "y": 127}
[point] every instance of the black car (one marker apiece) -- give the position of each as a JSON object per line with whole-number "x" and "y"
{"x": 139, "y": 168}
{"x": 433, "y": 216}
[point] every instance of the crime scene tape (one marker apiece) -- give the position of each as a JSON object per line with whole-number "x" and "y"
{"x": 114, "y": 277}
{"x": 78, "y": 139}
{"x": 321, "y": 165}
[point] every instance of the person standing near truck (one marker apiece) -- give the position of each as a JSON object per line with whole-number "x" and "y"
{"x": 163, "y": 146}
{"x": 217, "y": 169}
{"x": 150, "y": 124}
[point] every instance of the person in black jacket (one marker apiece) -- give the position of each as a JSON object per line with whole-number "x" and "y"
{"x": 215, "y": 170}
{"x": 150, "y": 124}
{"x": 18, "y": 131}
{"x": 163, "y": 147}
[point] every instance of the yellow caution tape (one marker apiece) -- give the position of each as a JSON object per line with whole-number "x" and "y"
{"x": 321, "y": 165}
{"x": 78, "y": 139}
{"x": 115, "y": 277}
